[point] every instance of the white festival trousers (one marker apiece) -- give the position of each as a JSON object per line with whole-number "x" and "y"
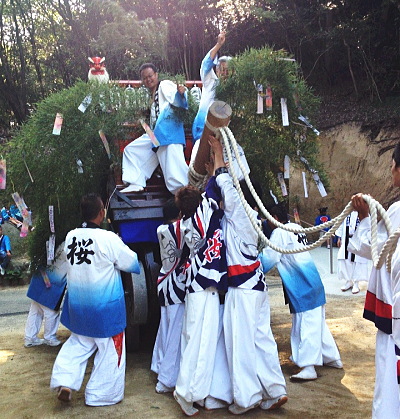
{"x": 198, "y": 344}
{"x": 311, "y": 340}
{"x": 139, "y": 162}
{"x": 107, "y": 381}
{"x": 251, "y": 348}
{"x": 39, "y": 314}
{"x": 221, "y": 387}
{"x": 386, "y": 402}
{"x": 167, "y": 347}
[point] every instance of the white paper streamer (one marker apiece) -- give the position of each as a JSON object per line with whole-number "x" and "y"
{"x": 273, "y": 196}
{"x": 305, "y": 161}
{"x": 319, "y": 184}
{"x": 260, "y": 101}
{"x": 51, "y": 247}
{"x": 195, "y": 91}
{"x": 23, "y": 209}
{"x": 85, "y": 103}
{"x": 47, "y": 253}
{"x": 285, "y": 115}
{"x": 286, "y": 167}
{"x": 58, "y": 124}
{"x": 282, "y": 183}
{"x": 305, "y": 184}
{"x": 80, "y": 165}
{"x": 307, "y": 122}
{"x": 51, "y": 218}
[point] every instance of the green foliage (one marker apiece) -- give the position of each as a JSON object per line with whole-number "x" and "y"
{"x": 13, "y": 274}
{"x": 265, "y": 140}
{"x": 52, "y": 159}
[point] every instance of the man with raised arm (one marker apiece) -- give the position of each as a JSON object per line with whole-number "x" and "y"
{"x": 142, "y": 156}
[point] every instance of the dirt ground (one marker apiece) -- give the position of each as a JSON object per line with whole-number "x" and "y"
{"x": 347, "y": 393}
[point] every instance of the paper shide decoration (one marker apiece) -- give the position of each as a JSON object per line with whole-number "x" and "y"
{"x": 26, "y": 215}
{"x": 261, "y": 96}
{"x": 58, "y": 124}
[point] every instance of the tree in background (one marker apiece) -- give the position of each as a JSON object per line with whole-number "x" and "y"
{"x": 337, "y": 43}
{"x": 44, "y": 45}
{"x": 262, "y": 135}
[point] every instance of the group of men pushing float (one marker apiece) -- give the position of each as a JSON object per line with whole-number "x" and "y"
{"x": 209, "y": 353}
{"x": 214, "y": 347}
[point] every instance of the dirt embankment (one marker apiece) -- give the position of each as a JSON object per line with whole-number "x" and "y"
{"x": 357, "y": 158}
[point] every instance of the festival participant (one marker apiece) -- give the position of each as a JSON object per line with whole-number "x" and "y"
{"x": 252, "y": 352}
{"x": 202, "y": 232}
{"x": 141, "y": 156}
{"x": 5, "y": 251}
{"x": 311, "y": 340}
{"x": 351, "y": 268}
{"x": 94, "y": 310}
{"x": 171, "y": 289}
{"x": 210, "y": 79}
{"x": 322, "y": 218}
{"x": 379, "y": 301}
{"x": 46, "y": 290}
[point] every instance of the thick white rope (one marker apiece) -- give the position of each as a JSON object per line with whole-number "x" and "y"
{"x": 195, "y": 178}
{"x": 374, "y": 206}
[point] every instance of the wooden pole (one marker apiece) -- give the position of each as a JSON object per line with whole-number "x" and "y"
{"x": 219, "y": 115}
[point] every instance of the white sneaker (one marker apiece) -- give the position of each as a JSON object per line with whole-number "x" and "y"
{"x": 132, "y": 188}
{"x": 347, "y": 286}
{"x": 33, "y": 342}
{"x": 161, "y": 388}
{"x": 306, "y": 374}
{"x": 238, "y": 410}
{"x": 274, "y": 404}
{"x": 52, "y": 342}
{"x": 355, "y": 289}
{"x": 335, "y": 364}
{"x": 2, "y": 271}
{"x": 187, "y": 407}
{"x": 211, "y": 403}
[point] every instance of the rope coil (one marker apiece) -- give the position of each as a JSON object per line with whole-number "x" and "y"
{"x": 375, "y": 207}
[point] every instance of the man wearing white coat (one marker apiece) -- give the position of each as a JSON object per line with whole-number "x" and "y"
{"x": 256, "y": 375}
{"x": 210, "y": 80}
{"x": 351, "y": 268}
{"x": 311, "y": 340}
{"x": 94, "y": 310}
{"x": 141, "y": 157}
